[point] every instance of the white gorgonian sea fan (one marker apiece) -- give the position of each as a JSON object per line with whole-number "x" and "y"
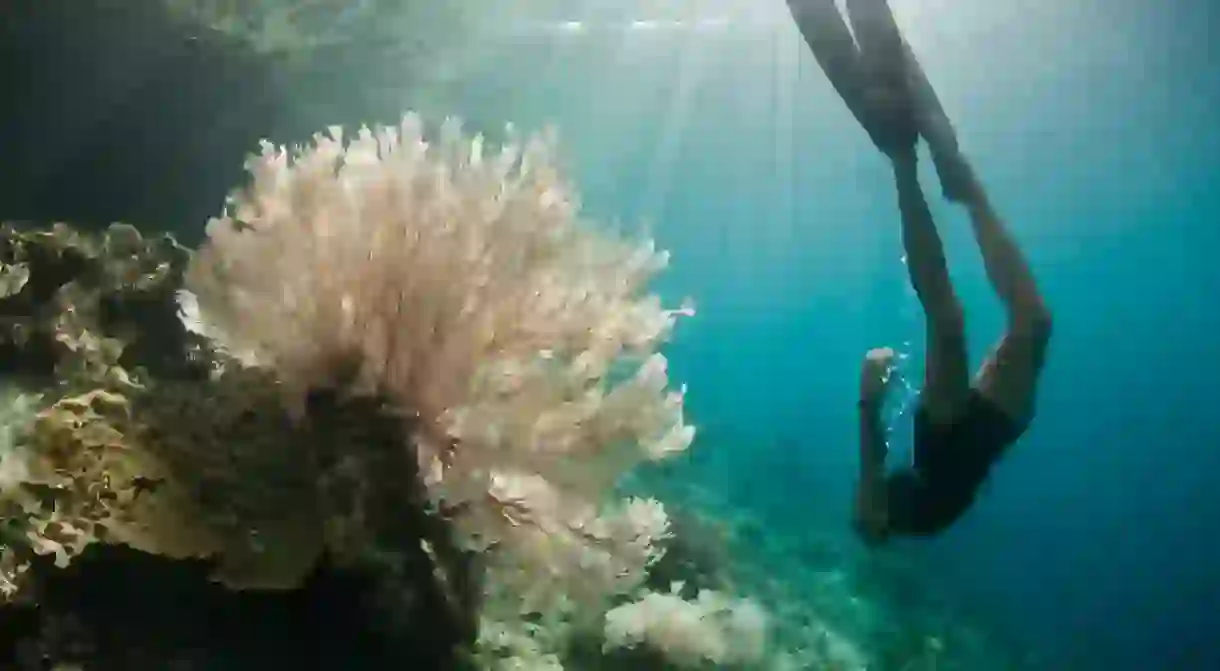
{"x": 465, "y": 288}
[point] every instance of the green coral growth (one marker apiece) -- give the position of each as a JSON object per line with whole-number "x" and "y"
{"x": 173, "y": 456}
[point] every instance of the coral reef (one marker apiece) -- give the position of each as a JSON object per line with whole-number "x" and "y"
{"x": 130, "y": 448}
{"x": 517, "y": 340}
{"x": 401, "y": 380}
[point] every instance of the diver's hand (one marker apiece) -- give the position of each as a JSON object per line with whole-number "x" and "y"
{"x": 876, "y": 373}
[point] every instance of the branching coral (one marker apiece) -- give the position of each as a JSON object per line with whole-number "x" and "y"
{"x": 712, "y": 628}
{"x": 401, "y": 340}
{"x": 516, "y": 339}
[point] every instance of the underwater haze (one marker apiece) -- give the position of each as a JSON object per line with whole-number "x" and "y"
{"x": 1094, "y": 124}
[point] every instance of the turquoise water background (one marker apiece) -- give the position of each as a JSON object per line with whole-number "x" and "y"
{"x": 1093, "y": 123}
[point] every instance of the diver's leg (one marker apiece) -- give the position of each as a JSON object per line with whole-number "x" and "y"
{"x": 946, "y": 376}
{"x": 1009, "y": 376}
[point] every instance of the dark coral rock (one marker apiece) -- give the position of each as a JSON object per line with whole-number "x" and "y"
{"x": 116, "y": 609}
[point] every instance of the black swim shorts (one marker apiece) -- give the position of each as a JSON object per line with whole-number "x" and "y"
{"x": 951, "y": 462}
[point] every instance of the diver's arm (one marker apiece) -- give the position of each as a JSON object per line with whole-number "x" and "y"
{"x": 872, "y": 508}
{"x": 870, "y": 515}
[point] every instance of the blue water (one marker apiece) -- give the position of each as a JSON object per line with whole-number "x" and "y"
{"x": 1094, "y": 126}
{"x": 1092, "y": 122}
